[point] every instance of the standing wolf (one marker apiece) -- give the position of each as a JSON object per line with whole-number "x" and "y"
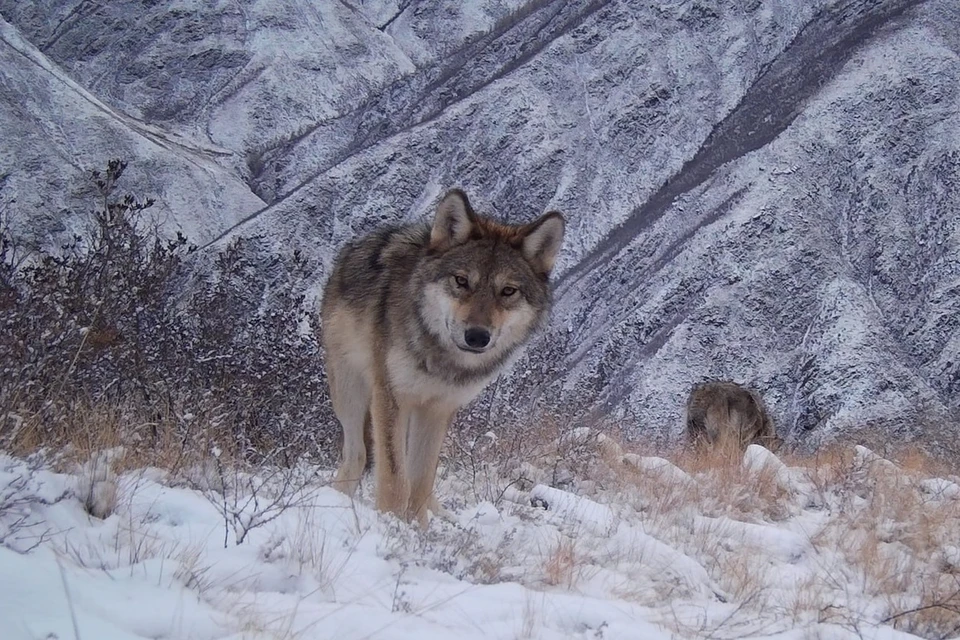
{"x": 727, "y": 416}
{"x": 416, "y": 321}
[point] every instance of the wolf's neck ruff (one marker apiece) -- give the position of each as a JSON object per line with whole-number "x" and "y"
{"x": 417, "y": 320}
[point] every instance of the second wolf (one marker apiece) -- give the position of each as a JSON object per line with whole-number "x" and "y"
{"x": 416, "y": 320}
{"x": 728, "y": 416}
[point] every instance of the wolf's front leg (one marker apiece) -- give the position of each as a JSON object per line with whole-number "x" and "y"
{"x": 350, "y": 393}
{"x": 390, "y": 421}
{"x": 428, "y": 427}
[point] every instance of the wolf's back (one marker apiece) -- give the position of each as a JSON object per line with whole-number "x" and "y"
{"x": 367, "y": 268}
{"x": 727, "y": 414}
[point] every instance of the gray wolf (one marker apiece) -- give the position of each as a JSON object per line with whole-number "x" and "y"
{"x": 416, "y": 320}
{"x": 727, "y": 416}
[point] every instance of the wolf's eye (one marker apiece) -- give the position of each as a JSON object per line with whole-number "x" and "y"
{"x": 462, "y": 282}
{"x": 508, "y": 291}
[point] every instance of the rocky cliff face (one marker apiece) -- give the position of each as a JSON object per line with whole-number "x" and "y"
{"x": 765, "y": 191}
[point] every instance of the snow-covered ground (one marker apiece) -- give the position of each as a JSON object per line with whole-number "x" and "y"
{"x": 837, "y": 547}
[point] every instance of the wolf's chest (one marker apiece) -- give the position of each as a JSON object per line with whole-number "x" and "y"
{"x": 430, "y": 385}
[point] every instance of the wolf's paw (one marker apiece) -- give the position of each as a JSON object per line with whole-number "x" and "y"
{"x": 346, "y": 481}
{"x": 444, "y": 514}
{"x": 439, "y": 511}
{"x": 432, "y": 508}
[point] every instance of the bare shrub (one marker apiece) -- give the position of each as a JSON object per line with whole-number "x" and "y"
{"x": 22, "y": 494}
{"x": 250, "y": 498}
{"x": 123, "y": 322}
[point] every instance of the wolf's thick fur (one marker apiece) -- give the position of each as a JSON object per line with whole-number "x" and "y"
{"x": 416, "y": 320}
{"x": 728, "y": 416}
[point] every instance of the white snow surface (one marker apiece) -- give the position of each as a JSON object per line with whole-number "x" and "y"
{"x": 721, "y": 222}
{"x": 162, "y": 564}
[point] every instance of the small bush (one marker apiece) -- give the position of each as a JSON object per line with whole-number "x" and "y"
{"x": 123, "y": 320}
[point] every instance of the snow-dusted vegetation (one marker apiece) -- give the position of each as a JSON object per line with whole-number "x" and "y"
{"x": 764, "y": 191}
{"x": 846, "y": 544}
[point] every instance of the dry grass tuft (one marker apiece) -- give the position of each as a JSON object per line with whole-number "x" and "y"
{"x": 81, "y": 430}
{"x": 530, "y": 620}
{"x": 935, "y": 614}
{"x": 742, "y": 573}
{"x": 553, "y": 452}
{"x": 101, "y": 440}
{"x": 878, "y": 543}
{"x": 563, "y": 564}
{"x": 308, "y": 552}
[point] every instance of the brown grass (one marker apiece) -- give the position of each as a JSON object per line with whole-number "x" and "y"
{"x": 551, "y": 451}
{"x": 563, "y": 564}
{"x": 170, "y": 439}
{"x": 891, "y": 533}
{"x": 741, "y": 576}
{"x": 886, "y": 531}
{"x": 721, "y": 486}
{"x": 935, "y": 615}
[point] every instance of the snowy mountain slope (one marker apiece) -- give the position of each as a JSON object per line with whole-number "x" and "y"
{"x": 823, "y": 267}
{"x": 554, "y": 77}
{"x": 55, "y": 132}
{"x": 570, "y": 100}
{"x": 764, "y": 190}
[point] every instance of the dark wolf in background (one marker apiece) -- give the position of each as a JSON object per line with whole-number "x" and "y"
{"x": 727, "y": 416}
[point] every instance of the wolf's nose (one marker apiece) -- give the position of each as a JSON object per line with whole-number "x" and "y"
{"x": 476, "y": 338}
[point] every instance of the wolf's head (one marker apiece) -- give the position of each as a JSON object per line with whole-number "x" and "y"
{"x": 486, "y": 285}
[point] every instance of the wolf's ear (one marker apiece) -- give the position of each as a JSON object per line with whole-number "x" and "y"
{"x": 542, "y": 241}
{"x": 453, "y": 222}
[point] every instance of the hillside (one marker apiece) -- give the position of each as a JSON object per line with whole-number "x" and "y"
{"x": 764, "y": 191}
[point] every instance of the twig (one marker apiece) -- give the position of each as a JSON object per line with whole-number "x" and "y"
{"x": 66, "y": 590}
{"x": 943, "y": 603}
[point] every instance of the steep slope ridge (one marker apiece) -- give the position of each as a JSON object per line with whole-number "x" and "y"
{"x": 591, "y": 124}
{"x": 253, "y": 77}
{"x": 55, "y": 132}
{"x": 547, "y": 103}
